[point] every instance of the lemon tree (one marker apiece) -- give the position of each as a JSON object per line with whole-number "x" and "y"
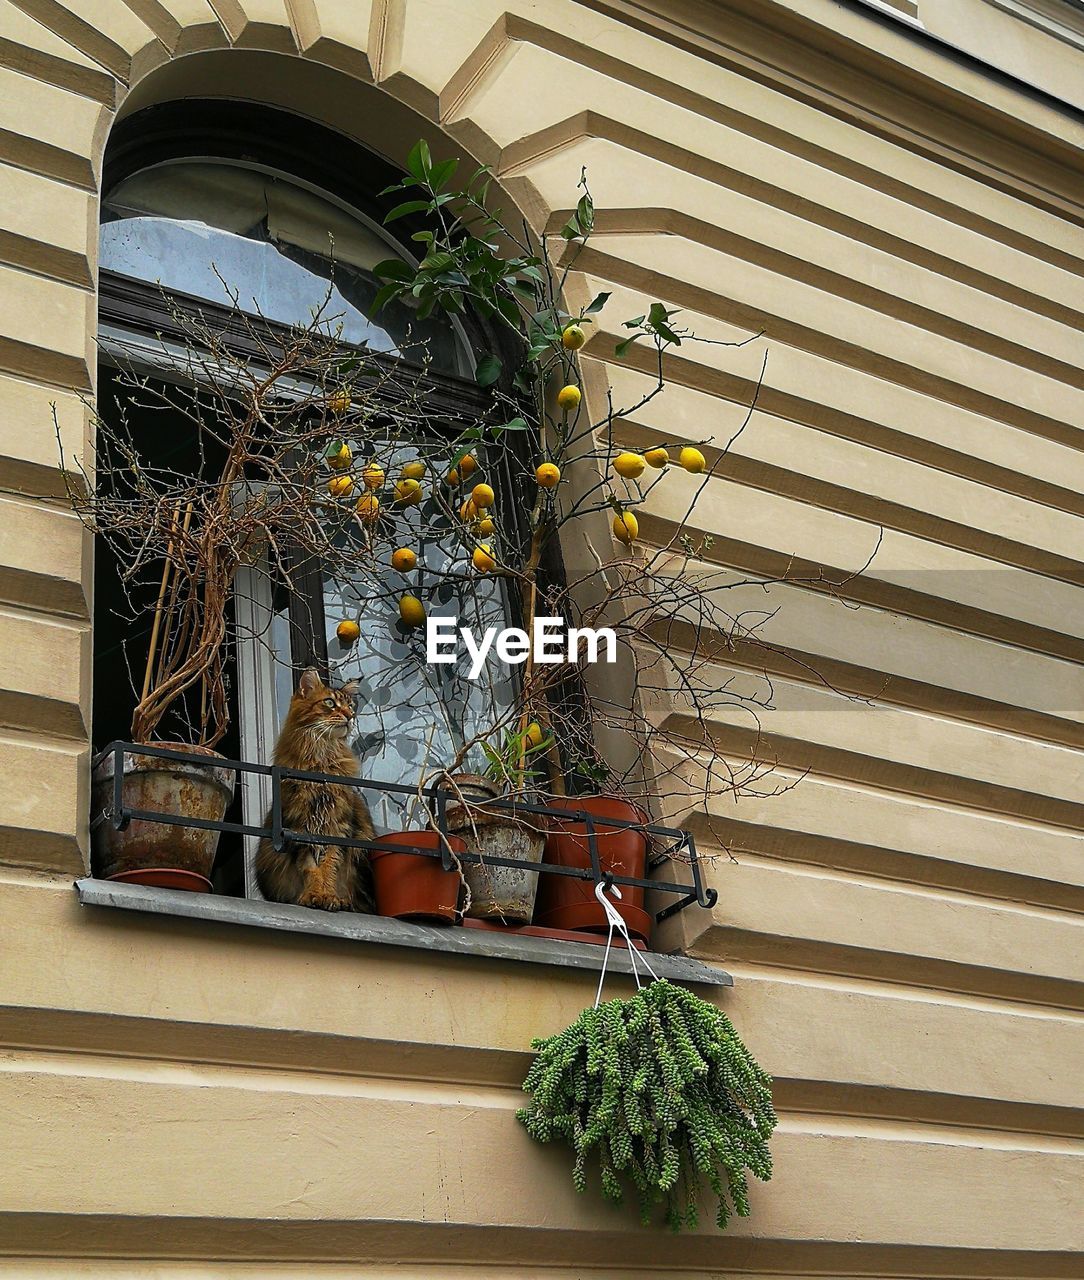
{"x": 555, "y": 449}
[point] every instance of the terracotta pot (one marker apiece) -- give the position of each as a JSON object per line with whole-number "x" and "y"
{"x": 160, "y": 786}
{"x": 166, "y": 878}
{"x": 410, "y": 886}
{"x": 567, "y": 903}
{"x": 499, "y": 893}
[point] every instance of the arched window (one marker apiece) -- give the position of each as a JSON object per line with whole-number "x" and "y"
{"x": 233, "y": 233}
{"x": 241, "y": 207}
{"x": 226, "y": 211}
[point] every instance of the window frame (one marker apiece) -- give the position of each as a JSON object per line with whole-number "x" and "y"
{"x": 273, "y": 140}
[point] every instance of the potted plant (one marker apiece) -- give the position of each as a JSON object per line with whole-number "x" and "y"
{"x": 498, "y": 893}
{"x": 577, "y": 487}
{"x": 659, "y": 1092}
{"x": 317, "y": 461}
{"x": 416, "y": 887}
{"x": 567, "y": 903}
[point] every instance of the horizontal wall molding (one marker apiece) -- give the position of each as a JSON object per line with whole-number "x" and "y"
{"x": 146, "y": 1237}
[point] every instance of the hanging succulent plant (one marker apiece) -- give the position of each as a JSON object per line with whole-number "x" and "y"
{"x": 663, "y": 1089}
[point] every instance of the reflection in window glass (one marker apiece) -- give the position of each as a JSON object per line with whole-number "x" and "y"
{"x": 414, "y": 717}
{"x": 243, "y": 236}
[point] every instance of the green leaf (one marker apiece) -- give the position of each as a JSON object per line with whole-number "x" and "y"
{"x": 517, "y": 424}
{"x": 658, "y": 318}
{"x": 507, "y": 307}
{"x": 597, "y": 305}
{"x": 408, "y": 206}
{"x": 585, "y": 214}
{"x": 439, "y": 261}
{"x": 487, "y": 371}
{"x": 420, "y": 162}
{"x": 442, "y": 172}
{"x": 393, "y": 269}
{"x": 571, "y": 229}
{"x": 622, "y": 347}
{"x": 385, "y": 294}
{"x": 658, "y": 314}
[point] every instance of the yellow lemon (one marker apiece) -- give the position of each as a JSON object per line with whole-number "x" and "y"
{"x": 411, "y": 611}
{"x": 568, "y": 397}
{"x": 630, "y": 465}
{"x": 341, "y": 460}
{"x": 482, "y": 496}
{"x": 339, "y": 401}
{"x": 657, "y": 458}
{"x": 403, "y": 559}
{"x": 573, "y": 337}
{"x": 340, "y": 486}
{"x": 347, "y": 631}
{"x": 535, "y": 736}
{"x": 626, "y": 527}
{"x": 408, "y": 492}
{"x": 373, "y": 476}
{"x": 468, "y": 464}
{"x": 413, "y": 471}
{"x": 368, "y": 508}
{"x": 468, "y": 511}
{"x": 482, "y": 558}
{"x": 485, "y": 525}
{"x": 692, "y": 460}
{"x": 548, "y": 474}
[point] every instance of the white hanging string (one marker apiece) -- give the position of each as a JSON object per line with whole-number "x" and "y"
{"x": 614, "y": 920}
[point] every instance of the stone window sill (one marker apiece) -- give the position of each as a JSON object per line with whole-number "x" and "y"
{"x": 386, "y": 932}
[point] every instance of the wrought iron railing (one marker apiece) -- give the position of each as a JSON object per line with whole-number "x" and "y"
{"x": 667, "y": 843}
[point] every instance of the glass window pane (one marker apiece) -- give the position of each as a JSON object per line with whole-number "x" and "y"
{"x": 238, "y": 235}
{"x": 413, "y": 716}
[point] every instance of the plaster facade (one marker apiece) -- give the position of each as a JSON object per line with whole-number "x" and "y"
{"x": 903, "y": 220}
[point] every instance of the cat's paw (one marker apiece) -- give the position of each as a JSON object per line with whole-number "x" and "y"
{"x": 324, "y": 902}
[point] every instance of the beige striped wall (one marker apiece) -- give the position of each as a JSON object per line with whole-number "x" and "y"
{"x": 903, "y": 924}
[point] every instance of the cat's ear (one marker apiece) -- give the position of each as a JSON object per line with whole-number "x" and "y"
{"x": 309, "y": 682}
{"x": 350, "y": 688}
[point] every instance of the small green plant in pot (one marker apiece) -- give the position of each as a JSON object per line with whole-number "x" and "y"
{"x": 662, "y": 1094}
{"x": 498, "y": 893}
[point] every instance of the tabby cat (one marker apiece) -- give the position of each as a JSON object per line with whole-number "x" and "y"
{"x": 314, "y": 739}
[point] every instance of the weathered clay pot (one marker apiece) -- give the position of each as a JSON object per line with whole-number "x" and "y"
{"x": 567, "y": 903}
{"x": 160, "y": 786}
{"x": 410, "y": 886}
{"x": 165, "y": 878}
{"x": 499, "y": 893}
